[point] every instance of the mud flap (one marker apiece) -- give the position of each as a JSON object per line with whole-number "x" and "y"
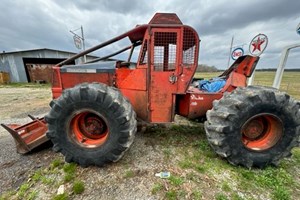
{"x": 28, "y": 136}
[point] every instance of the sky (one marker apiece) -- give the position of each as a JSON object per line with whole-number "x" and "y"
{"x": 32, "y": 24}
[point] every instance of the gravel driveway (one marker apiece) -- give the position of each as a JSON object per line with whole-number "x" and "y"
{"x": 16, "y": 103}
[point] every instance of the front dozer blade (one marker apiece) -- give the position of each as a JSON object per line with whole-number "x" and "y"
{"x": 28, "y": 136}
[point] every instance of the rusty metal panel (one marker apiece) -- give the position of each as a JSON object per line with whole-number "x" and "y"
{"x": 165, "y": 18}
{"x": 40, "y": 72}
{"x": 4, "y": 77}
{"x": 195, "y": 104}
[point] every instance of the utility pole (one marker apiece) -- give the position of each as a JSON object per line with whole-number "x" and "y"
{"x": 230, "y": 51}
{"x": 78, "y": 39}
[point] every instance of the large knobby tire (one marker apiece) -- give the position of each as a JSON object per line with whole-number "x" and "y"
{"x": 254, "y": 126}
{"x": 91, "y": 124}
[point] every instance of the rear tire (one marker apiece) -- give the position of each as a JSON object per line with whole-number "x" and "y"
{"x": 91, "y": 124}
{"x": 254, "y": 126}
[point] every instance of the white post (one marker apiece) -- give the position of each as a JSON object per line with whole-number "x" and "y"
{"x": 280, "y": 69}
{"x": 251, "y": 79}
{"x": 83, "y": 43}
{"x": 230, "y": 49}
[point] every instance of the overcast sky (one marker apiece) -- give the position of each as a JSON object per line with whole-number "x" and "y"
{"x": 31, "y": 24}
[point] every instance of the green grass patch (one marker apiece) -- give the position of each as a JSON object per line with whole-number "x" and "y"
{"x": 176, "y": 180}
{"x": 69, "y": 169}
{"x": 78, "y": 187}
{"x": 25, "y": 85}
{"x": 23, "y": 189}
{"x": 129, "y": 174}
{"x": 157, "y": 188}
{"x": 221, "y": 196}
{"x": 281, "y": 193}
{"x": 63, "y": 196}
{"x": 32, "y": 195}
{"x": 171, "y": 195}
{"x": 277, "y": 181}
{"x": 57, "y": 163}
{"x": 225, "y": 187}
{"x": 196, "y": 194}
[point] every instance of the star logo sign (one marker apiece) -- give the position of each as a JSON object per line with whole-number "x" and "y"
{"x": 257, "y": 44}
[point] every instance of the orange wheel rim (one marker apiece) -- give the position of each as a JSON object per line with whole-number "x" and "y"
{"x": 88, "y": 129}
{"x": 262, "y": 132}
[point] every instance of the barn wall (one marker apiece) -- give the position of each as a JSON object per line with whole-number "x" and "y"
{"x": 14, "y": 65}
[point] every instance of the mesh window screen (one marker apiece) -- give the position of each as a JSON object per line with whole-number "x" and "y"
{"x": 189, "y": 47}
{"x": 165, "y": 46}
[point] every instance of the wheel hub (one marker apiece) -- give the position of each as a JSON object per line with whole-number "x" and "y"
{"x": 253, "y": 129}
{"x": 88, "y": 129}
{"x": 262, "y": 132}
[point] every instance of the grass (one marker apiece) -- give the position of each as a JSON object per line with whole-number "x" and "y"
{"x": 69, "y": 170}
{"x": 196, "y": 171}
{"x": 199, "y": 164}
{"x": 129, "y": 174}
{"x": 25, "y": 85}
{"x": 156, "y": 188}
{"x": 78, "y": 187}
{"x": 50, "y": 178}
{"x": 63, "y": 196}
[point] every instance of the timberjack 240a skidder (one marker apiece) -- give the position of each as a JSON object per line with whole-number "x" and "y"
{"x": 95, "y": 107}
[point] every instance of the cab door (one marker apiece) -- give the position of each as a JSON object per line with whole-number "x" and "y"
{"x": 164, "y": 69}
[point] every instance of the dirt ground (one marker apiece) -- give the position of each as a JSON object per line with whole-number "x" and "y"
{"x": 143, "y": 159}
{"x": 16, "y": 103}
{"x": 198, "y": 172}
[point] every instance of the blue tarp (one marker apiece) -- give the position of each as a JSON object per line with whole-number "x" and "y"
{"x": 213, "y": 85}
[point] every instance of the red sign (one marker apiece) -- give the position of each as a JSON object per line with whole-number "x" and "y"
{"x": 258, "y": 44}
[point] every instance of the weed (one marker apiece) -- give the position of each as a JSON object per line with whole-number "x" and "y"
{"x": 23, "y": 189}
{"x": 272, "y": 178}
{"x": 46, "y": 181}
{"x": 247, "y": 174}
{"x": 281, "y": 194}
{"x": 201, "y": 168}
{"x": 296, "y": 155}
{"x": 56, "y": 163}
{"x": 203, "y": 145}
{"x": 196, "y": 195}
{"x": 69, "y": 168}
{"x": 156, "y": 188}
{"x": 225, "y": 187}
{"x": 193, "y": 177}
{"x": 171, "y": 195}
{"x": 32, "y": 195}
{"x": 221, "y": 196}
{"x": 78, "y": 187}
{"x": 129, "y": 174}
{"x": 37, "y": 175}
{"x": 174, "y": 180}
{"x": 235, "y": 196}
{"x": 185, "y": 164}
{"x": 69, "y": 177}
{"x": 63, "y": 196}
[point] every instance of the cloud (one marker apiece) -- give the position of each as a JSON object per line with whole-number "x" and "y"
{"x": 46, "y": 24}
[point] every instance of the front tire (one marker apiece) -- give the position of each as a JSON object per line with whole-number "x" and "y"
{"x": 254, "y": 126}
{"x": 91, "y": 124}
